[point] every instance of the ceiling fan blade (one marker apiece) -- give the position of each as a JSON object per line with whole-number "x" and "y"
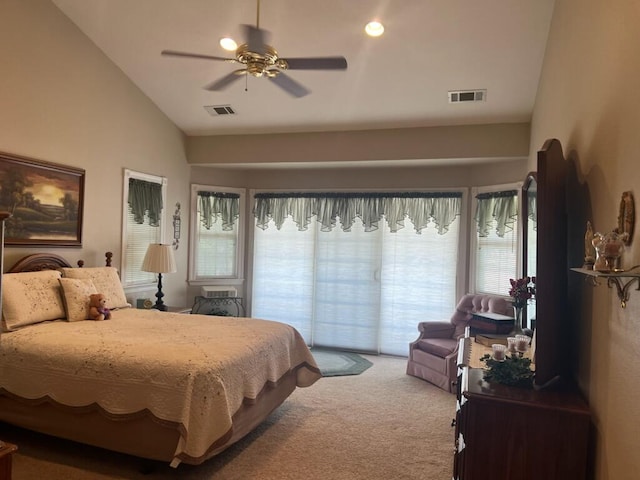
{"x": 255, "y": 39}
{"x": 317, "y": 63}
{"x": 289, "y": 85}
{"x": 225, "y": 81}
{"x": 173, "y": 53}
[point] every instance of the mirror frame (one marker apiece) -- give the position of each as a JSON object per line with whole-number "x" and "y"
{"x": 532, "y": 178}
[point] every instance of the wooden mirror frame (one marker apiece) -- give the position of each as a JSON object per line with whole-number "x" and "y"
{"x": 552, "y": 325}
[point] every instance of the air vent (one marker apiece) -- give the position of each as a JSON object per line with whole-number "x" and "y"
{"x": 463, "y": 96}
{"x": 217, "y": 110}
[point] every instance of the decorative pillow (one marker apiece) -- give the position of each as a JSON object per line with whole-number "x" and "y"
{"x": 75, "y": 294}
{"x": 30, "y": 297}
{"x": 106, "y": 281}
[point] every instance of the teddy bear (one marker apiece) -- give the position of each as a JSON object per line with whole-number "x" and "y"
{"x": 97, "y": 307}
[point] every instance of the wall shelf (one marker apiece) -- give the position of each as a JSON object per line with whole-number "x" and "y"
{"x": 623, "y": 281}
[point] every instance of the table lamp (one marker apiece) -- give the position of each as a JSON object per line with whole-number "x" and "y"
{"x": 159, "y": 259}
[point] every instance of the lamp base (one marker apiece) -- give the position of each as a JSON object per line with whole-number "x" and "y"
{"x": 159, "y": 303}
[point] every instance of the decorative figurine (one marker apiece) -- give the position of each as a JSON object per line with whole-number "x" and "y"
{"x": 589, "y": 248}
{"x": 609, "y": 248}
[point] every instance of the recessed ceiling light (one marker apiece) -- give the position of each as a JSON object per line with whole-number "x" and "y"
{"x": 228, "y": 44}
{"x": 374, "y": 29}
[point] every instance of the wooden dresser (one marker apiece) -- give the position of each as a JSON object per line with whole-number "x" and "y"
{"x": 510, "y": 433}
{"x": 6, "y": 451}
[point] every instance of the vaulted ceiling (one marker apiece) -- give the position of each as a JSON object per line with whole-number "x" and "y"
{"x": 401, "y": 79}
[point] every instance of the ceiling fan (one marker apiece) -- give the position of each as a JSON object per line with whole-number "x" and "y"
{"x": 262, "y": 60}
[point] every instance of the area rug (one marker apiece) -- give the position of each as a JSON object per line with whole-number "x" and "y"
{"x": 333, "y": 363}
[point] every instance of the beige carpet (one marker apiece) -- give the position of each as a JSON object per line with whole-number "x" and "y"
{"x": 381, "y": 424}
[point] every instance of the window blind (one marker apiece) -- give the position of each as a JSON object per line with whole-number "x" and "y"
{"x": 496, "y": 253}
{"x": 358, "y": 288}
{"x": 142, "y": 224}
{"x": 216, "y": 233}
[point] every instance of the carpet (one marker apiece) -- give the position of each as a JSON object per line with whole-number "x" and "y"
{"x": 381, "y": 425}
{"x": 333, "y": 363}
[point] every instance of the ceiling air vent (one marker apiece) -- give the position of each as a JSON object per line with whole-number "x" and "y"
{"x": 463, "y": 96}
{"x": 217, "y": 110}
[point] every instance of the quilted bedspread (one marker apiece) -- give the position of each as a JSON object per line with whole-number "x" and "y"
{"x": 195, "y": 370}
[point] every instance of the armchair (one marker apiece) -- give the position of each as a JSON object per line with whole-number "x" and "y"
{"x": 432, "y": 356}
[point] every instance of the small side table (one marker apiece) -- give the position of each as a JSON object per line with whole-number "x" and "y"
{"x": 6, "y": 451}
{"x": 489, "y": 322}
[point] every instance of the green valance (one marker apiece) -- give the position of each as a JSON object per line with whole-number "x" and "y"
{"x": 328, "y": 208}
{"x": 499, "y": 207}
{"x": 145, "y": 198}
{"x": 221, "y": 206}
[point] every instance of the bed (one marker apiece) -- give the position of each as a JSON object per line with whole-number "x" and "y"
{"x": 158, "y": 385}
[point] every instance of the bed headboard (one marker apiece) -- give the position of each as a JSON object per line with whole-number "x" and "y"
{"x": 47, "y": 261}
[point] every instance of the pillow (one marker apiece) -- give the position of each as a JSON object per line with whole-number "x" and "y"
{"x": 75, "y": 295}
{"x": 30, "y": 297}
{"x": 106, "y": 281}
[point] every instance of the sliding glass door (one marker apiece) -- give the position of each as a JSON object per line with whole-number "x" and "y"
{"x": 362, "y": 288}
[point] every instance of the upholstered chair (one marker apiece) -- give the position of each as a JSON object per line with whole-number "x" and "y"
{"x": 433, "y": 355}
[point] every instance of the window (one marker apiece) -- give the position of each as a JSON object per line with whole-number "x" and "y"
{"x": 495, "y": 245}
{"x": 216, "y": 234}
{"x": 144, "y": 200}
{"x": 356, "y": 271}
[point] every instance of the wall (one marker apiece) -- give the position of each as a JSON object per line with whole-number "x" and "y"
{"x": 588, "y": 100}
{"x": 63, "y": 101}
{"x": 357, "y": 147}
{"x": 406, "y": 177}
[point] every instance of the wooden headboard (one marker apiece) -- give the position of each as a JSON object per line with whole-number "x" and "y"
{"x": 47, "y": 261}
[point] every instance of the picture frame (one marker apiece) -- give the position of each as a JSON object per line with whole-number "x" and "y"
{"x": 45, "y": 201}
{"x": 626, "y": 216}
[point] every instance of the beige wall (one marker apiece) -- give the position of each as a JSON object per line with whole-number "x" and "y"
{"x": 476, "y": 142}
{"x": 588, "y": 100}
{"x": 63, "y": 101}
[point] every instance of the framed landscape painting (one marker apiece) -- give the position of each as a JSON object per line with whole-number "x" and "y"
{"x": 45, "y": 201}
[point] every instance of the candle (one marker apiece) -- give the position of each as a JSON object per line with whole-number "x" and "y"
{"x": 522, "y": 343}
{"x": 498, "y": 351}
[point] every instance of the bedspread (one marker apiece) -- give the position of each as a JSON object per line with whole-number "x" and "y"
{"x": 195, "y": 370}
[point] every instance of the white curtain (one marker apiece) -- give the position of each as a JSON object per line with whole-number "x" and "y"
{"x": 362, "y": 288}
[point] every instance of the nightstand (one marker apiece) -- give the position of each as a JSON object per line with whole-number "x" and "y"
{"x": 6, "y": 451}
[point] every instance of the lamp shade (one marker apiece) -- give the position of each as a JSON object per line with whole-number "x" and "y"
{"x": 159, "y": 259}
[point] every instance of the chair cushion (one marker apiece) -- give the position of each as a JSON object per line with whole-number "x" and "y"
{"x": 440, "y": 347}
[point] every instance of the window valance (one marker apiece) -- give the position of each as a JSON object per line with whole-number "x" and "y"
{"x": 145, "y": 197}
{"x": 420, "y": 208}
{"x": 499, "y": 207}
{"x": 221, "y": 206}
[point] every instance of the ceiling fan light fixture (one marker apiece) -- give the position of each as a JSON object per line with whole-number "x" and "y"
{"x": 228, "y": 44}
{"x": 374, "y": 28}
{"x": 262, "y": 60}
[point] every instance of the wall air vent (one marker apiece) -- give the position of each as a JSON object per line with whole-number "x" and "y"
{"x": 464, "y": 96}
{"x": 218, "y": 110}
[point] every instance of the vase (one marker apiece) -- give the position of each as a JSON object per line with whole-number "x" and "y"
{"x": 517, "y": 321}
